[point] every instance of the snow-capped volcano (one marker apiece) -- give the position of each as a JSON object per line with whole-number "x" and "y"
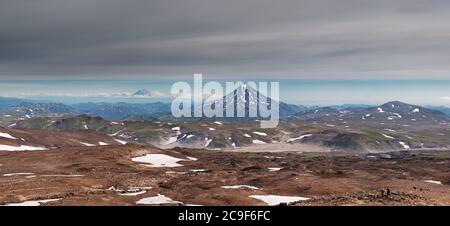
{"x": 248, "y": 100}
{"x": 142, "y": 92}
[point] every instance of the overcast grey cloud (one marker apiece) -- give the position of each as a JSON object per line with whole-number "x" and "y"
{"x": 110, "y": 39}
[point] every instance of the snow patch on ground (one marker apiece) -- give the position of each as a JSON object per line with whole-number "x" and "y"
{"x": 397, "y": 114}
{"x": 158, "y": 160}
{"x": 258, "y": 142}
{"x": 273, "y": 169}
{"x": 246, "y": 135}
{"x": 299, "y": 138}
{"x": 17, "y": 174}
{"x": 208, "y": 141}
{"x": 133, "y": 193}
{"x": 87, "y": 144}
{"x": 121, "y": 141}
{"x": 170, "y": 141}
{"x": 273, "y": 200}
{"x": 7, "y": 135}
{"x": 433, "y": 181}
{"x": 102, "y": 143}
{"x": 192, "y": 158}
{"x": 177, "y": 128}
{"x": 63, "y": 175}
{"x": 20, "y": 148}
{"x": 405, "y": 146}
{"x": 240, "y": 187}
{"x": 260, "y": 133}
{"x": 218, "y": 123}
{"x": 198, "y": 170}
{"x": 32, "y": 202}
{"x": 387, "y": 136}
{"x": 157, "y": 200}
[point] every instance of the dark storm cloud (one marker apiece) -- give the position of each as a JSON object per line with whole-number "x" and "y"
{"x": 257, "y": 38}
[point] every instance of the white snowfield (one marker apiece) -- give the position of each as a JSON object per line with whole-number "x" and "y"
{"x": 102, "y": 143}
{"x": 298, "y": 138}
{"x": 260, "y": 133}
{"x": 273, "y": 200}
{"x": 32, "y": 202}
{"x": 240, "y": 187}
{"x": 433, "y": 181}
{"x": 20, "y": 148}
{"x": 7, "y": 135}
{"x": 158, "y": 160}
{"x": 157, "y": 200}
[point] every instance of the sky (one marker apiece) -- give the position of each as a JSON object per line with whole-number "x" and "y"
{"x": 252, "y": 39}
{"x": 323, "y": 51}
{"x": 302, "y": 92}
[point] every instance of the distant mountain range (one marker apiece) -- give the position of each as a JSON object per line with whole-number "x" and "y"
{"x": 390, "y": 126}
{"x": 390, "y": 111}
{"x": 110, "y": 111}
{"x": 115, "y": 111}
{"x": 444, "y": 109}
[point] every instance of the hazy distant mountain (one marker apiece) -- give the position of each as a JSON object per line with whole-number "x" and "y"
{"x": 40, "y": 109}
{"x": 390, "y": 111}
{"x": 150, "y": 94}
{"x": 317, "y": 113}
{"x": 351, "y": 106}
{"x": 443, "y": 109}
{"x": 396, "y": 110}
{"x": 114, "y": 111}
{"x": 111, "y": 111}
{"x": 6, "y": 103}
{"x": 142, "y": 92}
{"x": 70, "y": 123}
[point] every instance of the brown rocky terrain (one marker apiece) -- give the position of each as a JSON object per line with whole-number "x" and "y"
{"x": 106, "y": 175}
